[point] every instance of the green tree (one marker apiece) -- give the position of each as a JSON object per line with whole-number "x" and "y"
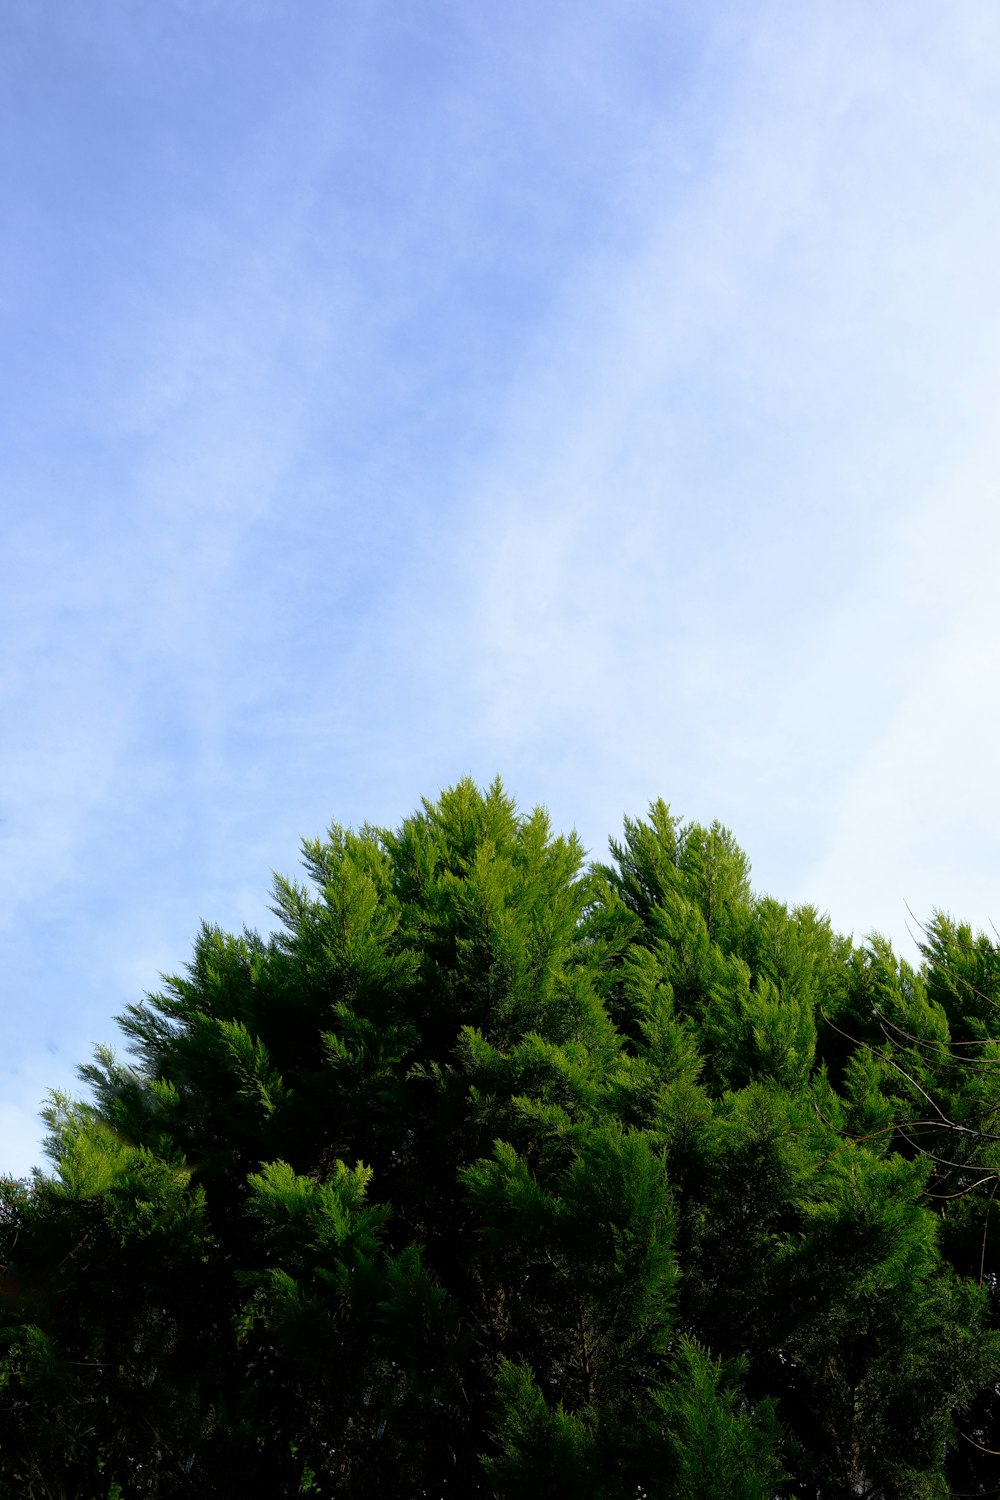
{"x": 489, "y": 1173}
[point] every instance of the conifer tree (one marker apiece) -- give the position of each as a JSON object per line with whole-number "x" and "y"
{"x": 492, "y": 1174}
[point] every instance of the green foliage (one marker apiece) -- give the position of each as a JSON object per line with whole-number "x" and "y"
{"x": 544, "y": 1450}
{"x": 489, "y": 1174}
{"x": 717, "y": 1448}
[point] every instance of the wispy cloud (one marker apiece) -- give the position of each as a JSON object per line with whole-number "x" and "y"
{"x": 609, "y": 403}
{"x": 699, "y": 530}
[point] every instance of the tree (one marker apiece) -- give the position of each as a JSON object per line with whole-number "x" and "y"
{"x": 489, "y": 1173}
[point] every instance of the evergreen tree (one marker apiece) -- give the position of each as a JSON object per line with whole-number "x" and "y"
{"x": 489, "y": 1173}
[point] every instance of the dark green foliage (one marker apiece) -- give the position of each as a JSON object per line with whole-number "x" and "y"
{"x": 715, "y": 1447}
{"x": 490, "y": 1174}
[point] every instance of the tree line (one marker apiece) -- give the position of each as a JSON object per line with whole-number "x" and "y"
{"x": 495, "y": 1173}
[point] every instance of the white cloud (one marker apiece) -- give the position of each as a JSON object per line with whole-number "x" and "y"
{"x": 607, "y": 404}
{"x": 722, "y": 542}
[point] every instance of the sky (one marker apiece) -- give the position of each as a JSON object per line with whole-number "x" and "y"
{"x": 603, "y": 396}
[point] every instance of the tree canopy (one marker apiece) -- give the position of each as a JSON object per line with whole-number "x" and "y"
{"x": 494, "y": 1173}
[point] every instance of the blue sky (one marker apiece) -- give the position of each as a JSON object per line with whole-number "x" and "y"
{"x": 603, "y": 396}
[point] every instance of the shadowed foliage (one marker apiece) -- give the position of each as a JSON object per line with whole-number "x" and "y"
{"x": 492, "y": 1173}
